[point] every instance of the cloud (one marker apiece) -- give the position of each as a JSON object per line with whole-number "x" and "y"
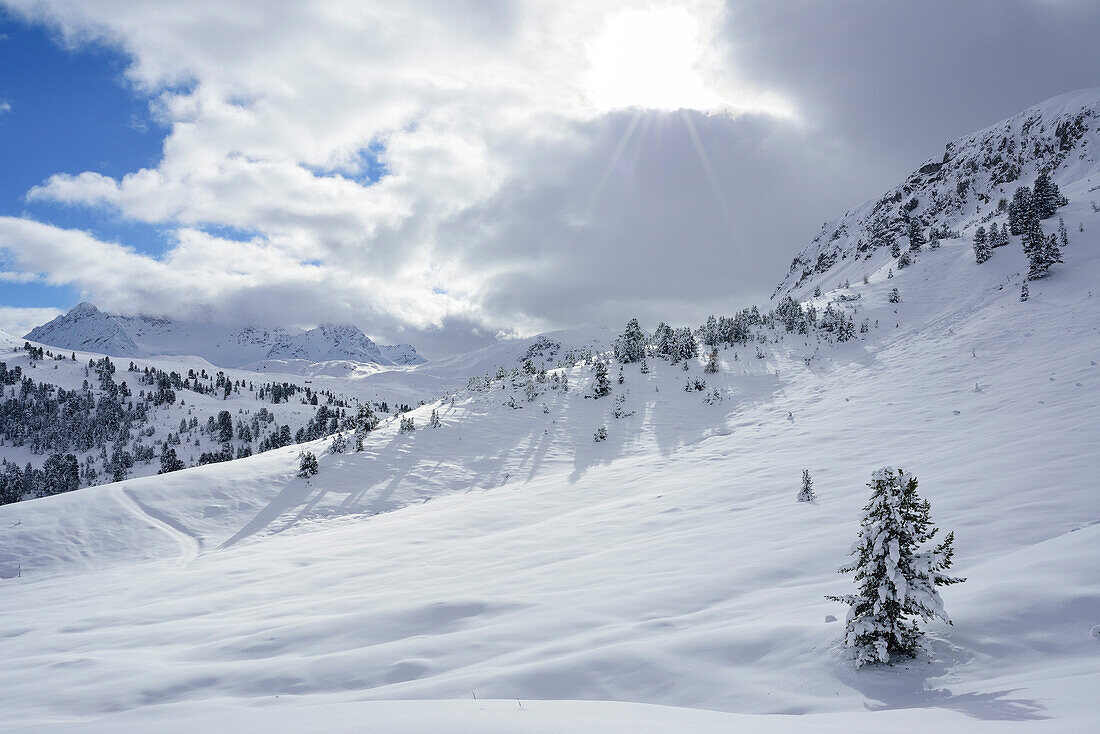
{"x": 18, "y": 321}
{"x": 5, "y": 106}
{"x": 529, "y": 181}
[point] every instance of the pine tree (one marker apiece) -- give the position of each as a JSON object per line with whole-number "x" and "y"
{"x": 307, "y": 465}
{"x": 1019, "y": 210}
{"x": 712, "y": 362}
{"x": 1025, "y": 293}
{"x": 1046, "y": 197}
{"x": 894, "y": 296}
{"x": 982, "y": 251}
{"x": 169, "y": 462}
{"x": 630, "y": 345}
{"x": 897, "y": 580}
{"x": 1041, "y": 251}
{"x": 1063, "y": 236}
{"x": 916, "y": 237}
{"x": 600, "y": 435}
{"x": 806, "y": 494}
{"x": 433, "y": 422}
{"x": 601, "y": 385}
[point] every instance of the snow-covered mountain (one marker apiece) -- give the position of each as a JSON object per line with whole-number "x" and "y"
{"x": 960, "y": 191}
{"x": 87, "y": 328}
{"x": 498, "y": 569}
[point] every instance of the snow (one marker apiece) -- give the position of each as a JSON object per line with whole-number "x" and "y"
{"x": 87, "y": 328}
{"x": 665, "y": 579}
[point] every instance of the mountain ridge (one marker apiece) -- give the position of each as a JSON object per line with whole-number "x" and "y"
{"x": 87, "y": 328}
{"x": 957, "y": 192}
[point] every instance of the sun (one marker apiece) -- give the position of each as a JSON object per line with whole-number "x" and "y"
{"x": 647, "y": 59}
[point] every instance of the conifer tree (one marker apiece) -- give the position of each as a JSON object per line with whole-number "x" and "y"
{"x": 433, "y": 422}
{"x": 1025, "y": 293}
{"x": 806, "y": 494}
{"x": 1063, "y": 236}
{"x": 1046, "y": 197}
{"x": 982, "y": 251}
{"x": 601, "y": 385}
{"x": 916, "y": 237}
{"x": 1019, "y": 210}
{"x": 712, "y": 362}
{"x": 897, "y": 579}
{"x": 307, "y": 465}
{"x": 630, "y": 345}
{"x": 169, "y": 462}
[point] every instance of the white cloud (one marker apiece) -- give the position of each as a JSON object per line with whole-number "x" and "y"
{"x": 478, "y": 106}
{"x": 18, "y": 321}
{"x": 5, "y": 106}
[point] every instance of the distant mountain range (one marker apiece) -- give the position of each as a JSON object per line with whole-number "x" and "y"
{"x": 87, "y": 328}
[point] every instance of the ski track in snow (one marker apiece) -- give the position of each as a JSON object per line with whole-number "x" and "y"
{"x": 189, "y": 544}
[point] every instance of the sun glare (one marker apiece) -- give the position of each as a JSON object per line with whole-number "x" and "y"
{"x": 646, "y": 58}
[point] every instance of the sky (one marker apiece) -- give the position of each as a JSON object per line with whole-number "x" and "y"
{"x": 450, "y": 172}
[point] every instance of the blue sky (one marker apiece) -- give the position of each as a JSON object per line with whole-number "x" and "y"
{"x": 70, "y": 110}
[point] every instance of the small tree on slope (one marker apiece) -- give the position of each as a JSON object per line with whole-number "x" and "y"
{"x": 307, "y": 465}
{"x": 601, "y": 385}
{"x": 806, "y": 494}
{"x": 897, "y": 580}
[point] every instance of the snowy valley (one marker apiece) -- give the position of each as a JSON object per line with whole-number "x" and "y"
{"x": 516, "y": 546}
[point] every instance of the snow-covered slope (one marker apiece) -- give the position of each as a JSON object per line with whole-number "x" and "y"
{"x": 87, "y": 328}
{"x": 505, "y": 555}
{"x": 962, "y": 190}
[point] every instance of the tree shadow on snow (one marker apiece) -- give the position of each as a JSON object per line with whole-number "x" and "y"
{"x": 911, "y": 685}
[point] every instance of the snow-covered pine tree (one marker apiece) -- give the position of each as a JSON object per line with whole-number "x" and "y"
{"x": 916, "y": 237}
{"x": 630, "y": 345}
{"x": 1063, "y": 236}
{"x": 897, "y": 580}
{"x": 982, "y": 251}
{"x": 894, "y": 296}
{"x": 1053, "y": 253}
{"x": 339, "y": 444}
{"x": 433, "y": 421}
{"x": 600, "y": 384}
{"x": 1019, "y": 210}
{"x": 806, "y": 494}
{"x": 1046, "y": 198}
{"x": 307, "y": 464}
{"x": 712, "y": 362}
{"x": 933, "y": 242}
{"x": 169, "y": 462}
{"x": 662, "y": 338}
{"x": 1040, "y": 253}
{"x": 1025, "y": 293}
{"x": 600, "y": 435}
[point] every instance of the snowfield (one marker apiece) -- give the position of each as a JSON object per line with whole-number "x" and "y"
{"x": 504, "y": 572}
